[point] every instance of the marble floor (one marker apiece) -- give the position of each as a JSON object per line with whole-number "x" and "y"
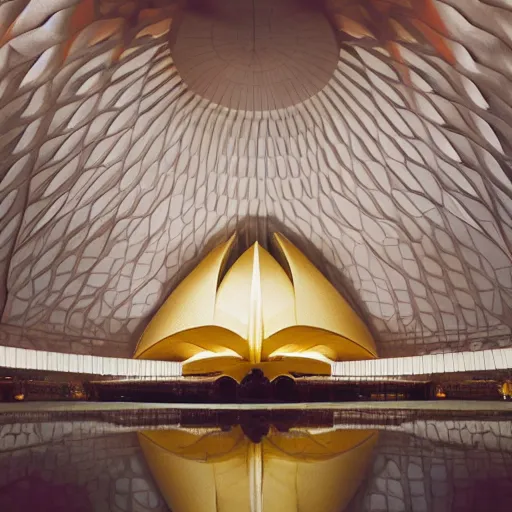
{"x": 437, "y": 405}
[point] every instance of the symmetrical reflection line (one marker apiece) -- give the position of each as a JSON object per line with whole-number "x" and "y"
{"x": 256, "y": 477}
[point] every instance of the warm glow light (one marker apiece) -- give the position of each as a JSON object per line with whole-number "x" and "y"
{"x": 440, "y": 392}
{"x": 280, "y": 318}
{"x": 506, "y": 390}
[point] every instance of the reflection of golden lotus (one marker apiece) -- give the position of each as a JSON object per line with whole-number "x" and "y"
{"x": 214, "y": 471}
{"x": 282, "y": 318}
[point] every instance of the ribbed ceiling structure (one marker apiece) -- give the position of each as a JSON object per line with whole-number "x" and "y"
{"x": 375, "y": 134}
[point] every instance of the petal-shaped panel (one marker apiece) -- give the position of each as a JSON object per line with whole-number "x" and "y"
{"x": 233, "y": 303}
{"x": 191, "y": 305}
{"x": 302, "y": 338}
{"x": 318, "y": 304}
{"x": 192, "y": 342}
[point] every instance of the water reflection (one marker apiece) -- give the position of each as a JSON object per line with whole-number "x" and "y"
{"x": 228, "y": 461}
{"x": 255, "y": 467}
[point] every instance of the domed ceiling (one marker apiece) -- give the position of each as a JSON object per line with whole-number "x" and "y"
{"x": 137, "y": 135}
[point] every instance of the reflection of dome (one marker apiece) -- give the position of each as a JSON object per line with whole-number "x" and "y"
{"x": 255, "y": 55}
{"x": 223, "y": 471}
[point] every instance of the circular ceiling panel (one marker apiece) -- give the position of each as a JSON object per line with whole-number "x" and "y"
{"x": 255, "y": 55}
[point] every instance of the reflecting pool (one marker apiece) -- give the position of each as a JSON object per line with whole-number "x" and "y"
{"x": 252, "y": 461}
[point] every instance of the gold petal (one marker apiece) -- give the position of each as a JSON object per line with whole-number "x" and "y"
{"x": 191, "y": 305}
{"x": 318, "y": 304}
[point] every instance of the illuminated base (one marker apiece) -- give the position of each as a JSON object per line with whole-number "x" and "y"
{"x": 237, "y": 369}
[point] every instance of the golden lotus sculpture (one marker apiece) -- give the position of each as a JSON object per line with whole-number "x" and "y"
{"x": 283, "y": 319}
{"x": 208, "y": 470}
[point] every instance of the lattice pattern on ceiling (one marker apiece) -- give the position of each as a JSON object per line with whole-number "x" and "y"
{"x": 114, "y": 175}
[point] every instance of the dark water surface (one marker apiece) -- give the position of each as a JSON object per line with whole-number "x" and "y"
{"x": 209, "y": 462}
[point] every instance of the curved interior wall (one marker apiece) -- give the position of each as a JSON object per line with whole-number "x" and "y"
{"x": 116, "y": 178}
